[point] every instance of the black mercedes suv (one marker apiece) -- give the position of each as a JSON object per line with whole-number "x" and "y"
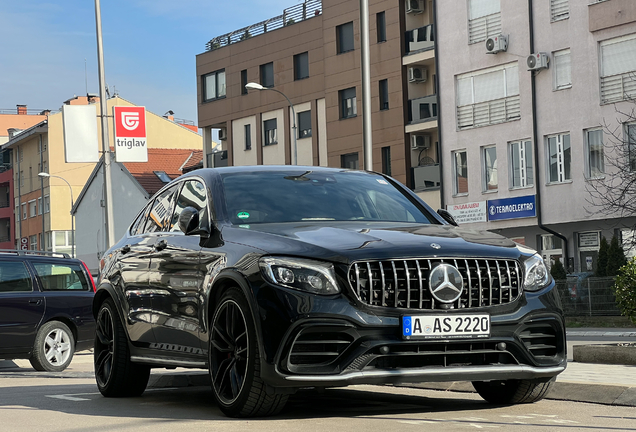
{"x": 276, "y": 278}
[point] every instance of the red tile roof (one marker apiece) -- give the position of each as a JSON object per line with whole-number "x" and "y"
{"x": 169, "y": 161}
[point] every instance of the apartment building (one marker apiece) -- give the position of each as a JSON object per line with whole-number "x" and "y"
{"x": 42, "y": 206}
{"x": 308, "y": 61}
{"x": 528, "y": 89}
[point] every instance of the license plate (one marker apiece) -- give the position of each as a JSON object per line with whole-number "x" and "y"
{"x": 446, "y": 326}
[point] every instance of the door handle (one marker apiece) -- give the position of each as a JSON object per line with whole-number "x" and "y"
{"x": 161, "y": 245}
{"x": 125, "y": 249}
{"x": 35, "y": 302}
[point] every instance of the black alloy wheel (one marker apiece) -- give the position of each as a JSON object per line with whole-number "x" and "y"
{"x": 510, "y": 392}
{"x": 115, "y": 374}
{"x": 235, "y": 361}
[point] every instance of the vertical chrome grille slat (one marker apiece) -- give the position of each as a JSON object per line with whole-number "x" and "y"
{"x": 373, "y": 284}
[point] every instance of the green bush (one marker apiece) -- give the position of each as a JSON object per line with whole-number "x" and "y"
{"x": 601, "y": 265}
{"x": 558, "y": 271}
{"x": 625, "y": 290}
{"x": 615, "y": 257}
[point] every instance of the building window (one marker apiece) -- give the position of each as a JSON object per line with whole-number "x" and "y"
{"x": 618, "y": 66}
{"x": 248, "y": 136}
{"x": 559, "y": 10}
{"x": 487, "y": 97}
{"x": 33, "y": 242}
{"x": 386, "y": 160}
{"x": 40, "y": 205}
{"x": 243, "y": 81}
{"x": 484, "y": 19}
{"x": 384, "y": 94}
{"x": 521, "y": 174}
{"x": 163, "y": 176}
{"x": 562, "y": 69}
{"x": 304, "y": 124}
{"x": 24, "y": 211}
{"x": 344, "y": 37}
{"x": 349, "y": 160}
{"x": 595, "y": 159}
{"x": 301, "y": 66}
{"x": 559, "y": 158}
{"x": 380, "y": 20}
{"x": 47, "y": 204}
{"x": 460, "y": 173}
{"x": 270, "y": 135}
{"x": 32, "y": 208}
{"x": 213, "y": 85}
{"x": 348, "y": 105}
{"x": 489, "y": 164}
{"x": 631, "y": 146}
{"x": 21, "y": 178}
{"x": 267, "y": 74}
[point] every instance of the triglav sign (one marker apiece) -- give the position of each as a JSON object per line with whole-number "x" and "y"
{"x": 130, "y": 134}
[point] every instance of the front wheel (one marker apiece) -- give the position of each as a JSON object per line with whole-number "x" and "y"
{"x": 115, "y": 374}
{"x": 235, "y": 361}
{"x": 514, "y": 391}
{"x": 54, "y": 347}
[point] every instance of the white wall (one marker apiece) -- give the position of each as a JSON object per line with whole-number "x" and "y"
{"x": 274, "y": 154}
{"x": 241, "y": 156}
{"x": 304, "y": 145}
{"x": 321, "y": 127}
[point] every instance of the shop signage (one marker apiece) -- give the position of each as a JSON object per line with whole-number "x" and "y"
{"x": 512, "y": 208}
{"x": 589, "y": 239}
{"x": 468, "y": 212}
{"x": 130, "y": 134}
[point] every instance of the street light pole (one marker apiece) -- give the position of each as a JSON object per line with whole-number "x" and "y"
{"x": 47, "y": 175}
{"x": 256, "y": 86}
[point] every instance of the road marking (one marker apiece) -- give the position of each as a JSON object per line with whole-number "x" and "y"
{"x": 73, "y": 396}
{"x": 65, "y": 397}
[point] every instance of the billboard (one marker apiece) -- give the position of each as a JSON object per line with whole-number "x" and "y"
{"x": 80, "y": 133}
{"x": 468, "y": 212}
{"x": 130, "y": 134}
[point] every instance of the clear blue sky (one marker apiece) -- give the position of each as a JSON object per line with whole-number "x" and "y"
{"x": 149, "y": 48}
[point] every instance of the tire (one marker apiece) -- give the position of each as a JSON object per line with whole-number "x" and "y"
{"x": 510, "y": 392}
{"x": 234, "y": 361}
{"x": 53, "y": 348}
{"x": 115, "y": 374}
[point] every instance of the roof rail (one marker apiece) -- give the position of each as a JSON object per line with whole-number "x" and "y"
{"x": 34, "y": 252}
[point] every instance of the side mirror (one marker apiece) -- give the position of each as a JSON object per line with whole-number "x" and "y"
{"x": 189, "y": 222}
{"x": 445, "y": 214}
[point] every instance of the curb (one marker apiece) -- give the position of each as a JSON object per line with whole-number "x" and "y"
{"x": 599, "y": 333}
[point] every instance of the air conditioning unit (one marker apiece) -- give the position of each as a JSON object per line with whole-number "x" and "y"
{"x": 414, "y": 6}
{"x": 418, "y": 74}
{"x": 420, "y": 142}
{"x": 538, "y": 61}
{"x": 495, "y": 44}
{"x": 222, "y": 134}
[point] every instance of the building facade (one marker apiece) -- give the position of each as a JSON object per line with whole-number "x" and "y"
{"x": 42, "y": 206}
{"x": 311, "y": 54}
{"x": 531, "y": 92}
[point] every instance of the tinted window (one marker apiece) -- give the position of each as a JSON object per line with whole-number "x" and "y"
{"x": 344, "y": 35}
{"x": 293, "y": 196}
{"x": 301, "y": 66}
{"x": 192, "y": 195}
{"x": 159, "y": 215}
{"x": 267, "y": 75}
{"x": 61, "y": 277}
{"x": 138, "y": 226}
{"x": 304, "y": 124}
{"x": 14, "y": 277}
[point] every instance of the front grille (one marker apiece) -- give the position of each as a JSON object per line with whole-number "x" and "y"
{"x": 540, "y": 340}
{"x": 405, "y": 283}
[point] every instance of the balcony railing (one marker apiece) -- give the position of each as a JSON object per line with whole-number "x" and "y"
{"x": 425, "y": 177}
{"x": 420, "y": 39}
{"x": 300, "y": 12}
{"x": 489, "y": 112}
{"x": 423, "y": 109}
{"x": 616, "y": 88}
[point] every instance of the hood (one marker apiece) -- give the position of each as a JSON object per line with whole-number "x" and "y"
{"x": 351, "y": 241}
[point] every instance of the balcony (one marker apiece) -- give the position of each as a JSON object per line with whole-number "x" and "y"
{"x": 488, "y": 112}
{"x": 423, "y": 109}
{"x": 425, "y": 177}
{"x": 420, "y": 39}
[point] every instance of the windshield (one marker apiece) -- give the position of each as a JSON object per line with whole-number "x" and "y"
{"x": 294, "y": 196}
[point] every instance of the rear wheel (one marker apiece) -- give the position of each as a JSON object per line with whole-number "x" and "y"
{"x": 514, "y": 391}
{"x": 116, "y": 375}
{"x": 54, "y": 347}
{"x": 235, "y": 361}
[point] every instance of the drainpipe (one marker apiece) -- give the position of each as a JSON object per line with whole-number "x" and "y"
{"x": 536, "y": 147}
{"x": 439, "y": 109}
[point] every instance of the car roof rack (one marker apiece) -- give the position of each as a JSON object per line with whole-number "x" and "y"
{"x": 34, "y": 252}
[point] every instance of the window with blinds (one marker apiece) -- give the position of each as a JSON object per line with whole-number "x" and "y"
{"x": 618, "y": 69}
{"x": 562, "y": 69}
{"x": 559, "y": 10}
{"x": 488, "y": 96}
{"x": 484, "y": 19}
{"x": 594, "y": 156}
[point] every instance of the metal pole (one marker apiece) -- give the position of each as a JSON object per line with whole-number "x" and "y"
{"x": 108, "y": 193}
{"x": 367, "y": 130}
{"x": 295, "y": 158}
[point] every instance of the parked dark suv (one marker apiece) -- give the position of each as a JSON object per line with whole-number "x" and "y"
{"x": 45, "y": 308}
{"x": 276, "y": 278}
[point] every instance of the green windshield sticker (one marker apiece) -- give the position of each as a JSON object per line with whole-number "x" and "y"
{"x": 243, "y": 215}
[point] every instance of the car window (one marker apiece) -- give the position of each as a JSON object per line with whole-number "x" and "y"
{"x": 192, "y": 195}
{"x": 138, "y": 225}
{"x": 14, "y": 276}
{"x": 272, "y": 197}
{"x": 159, "y": 215}
{"x": 61, "y": 277}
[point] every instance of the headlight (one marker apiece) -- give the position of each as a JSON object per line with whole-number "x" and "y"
{"x": 300, "y": 274}
{"x": 537, "y": 275}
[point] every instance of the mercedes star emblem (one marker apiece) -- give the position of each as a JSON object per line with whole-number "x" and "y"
{"x": 435, "y": 246}
{"x": 446, "y": 283}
